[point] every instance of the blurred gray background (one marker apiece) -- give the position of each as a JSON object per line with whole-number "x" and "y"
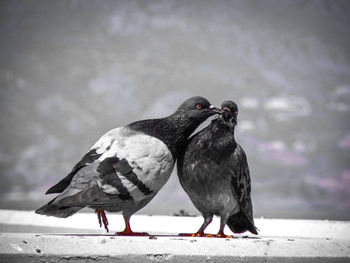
{"x": 72, "y": 70}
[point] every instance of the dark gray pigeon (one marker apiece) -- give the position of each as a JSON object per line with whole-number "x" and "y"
{"x": 127, "y": 166}
{"x": 214, "y": 172}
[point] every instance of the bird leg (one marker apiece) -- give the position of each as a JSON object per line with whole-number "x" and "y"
{"x": 200, "y": 232}
{"x": 221, "y": 233}
{"x": 127, "y": 231}
{"x": 102, "y": 218}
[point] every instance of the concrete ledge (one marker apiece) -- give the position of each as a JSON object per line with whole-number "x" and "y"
{"x": 279, "y": 241}
{"x": 24, "y": 247}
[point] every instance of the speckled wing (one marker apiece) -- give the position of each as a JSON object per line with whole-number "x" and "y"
{"x": 241, "y": 186}
{"x": 241, "y": 179}
{"x": 130, "y": 166}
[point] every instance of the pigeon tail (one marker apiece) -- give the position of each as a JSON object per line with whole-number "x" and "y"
{"x": 240, "y": 223}
{"x": 52, "y": 209}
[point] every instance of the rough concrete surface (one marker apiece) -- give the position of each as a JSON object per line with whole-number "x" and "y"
{"x": 79, "y": 241}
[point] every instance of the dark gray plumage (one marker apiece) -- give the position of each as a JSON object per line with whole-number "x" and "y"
{"x": 214, "y": 172}
{"x": 127, "y": 166}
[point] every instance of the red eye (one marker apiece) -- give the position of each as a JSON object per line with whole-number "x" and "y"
{"x": 199, "y": 106}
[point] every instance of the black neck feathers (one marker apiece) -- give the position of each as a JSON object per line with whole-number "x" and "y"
{"x": 219, "y": 140}
{"x": 173, "y": 130}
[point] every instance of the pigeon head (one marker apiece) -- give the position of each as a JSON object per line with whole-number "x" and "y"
{"x": 196, "y": 109}
{"x": 175, "y": 129}
{"x": 229, "y": 112}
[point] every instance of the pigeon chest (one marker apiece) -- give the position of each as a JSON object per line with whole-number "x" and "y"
{"x": 209, "y": 188}
{"x": 216, "y": 198}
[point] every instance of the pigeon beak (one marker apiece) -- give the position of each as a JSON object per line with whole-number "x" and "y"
{"x": 214, "y": 109}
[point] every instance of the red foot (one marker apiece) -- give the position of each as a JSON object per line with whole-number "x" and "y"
{"x": 220, "y": 235}
{"x": 198, "y": 234}
{"x": 189, "y": 235}
{"x": 127, "y": 231}
{"x": 102, "y": 218}
{"x": 131, "y": 233}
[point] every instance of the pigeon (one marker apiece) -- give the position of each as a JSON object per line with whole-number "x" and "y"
{"x": 127, "y": 166}
{"x": 213, "y": 170}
